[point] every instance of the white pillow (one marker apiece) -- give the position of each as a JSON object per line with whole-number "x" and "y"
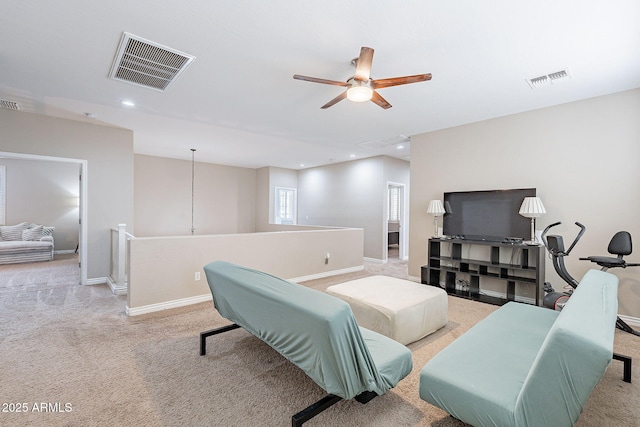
{"x": 12, "y": 232}
{"x": 34, "y": 233}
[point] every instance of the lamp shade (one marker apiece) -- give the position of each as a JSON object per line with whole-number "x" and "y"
{"x": 435, "y": 208}
{"x": 532, "y": 207}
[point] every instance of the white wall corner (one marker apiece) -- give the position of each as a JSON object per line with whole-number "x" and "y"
{"x": 117, "y": 289}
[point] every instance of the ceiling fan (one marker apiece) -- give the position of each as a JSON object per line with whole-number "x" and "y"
{"x": 361, "y": 87}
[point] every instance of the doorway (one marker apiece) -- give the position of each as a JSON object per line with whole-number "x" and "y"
{"x": 396, "y": 219}
{"x": 81, "y": 202}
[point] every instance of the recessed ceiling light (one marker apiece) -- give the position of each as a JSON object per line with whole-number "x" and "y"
{"x": 400, "y": 147}
{"x": 353, "y": 156}
{"x": 301, "y": 165}
{"x": 128, "y": 103}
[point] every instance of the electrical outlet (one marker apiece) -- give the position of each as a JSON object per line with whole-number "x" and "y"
{"x": 326, "y": 259}
{"x": 197, "y": 275}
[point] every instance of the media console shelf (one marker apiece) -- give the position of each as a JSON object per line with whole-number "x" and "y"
{"x": 492, "y": 272}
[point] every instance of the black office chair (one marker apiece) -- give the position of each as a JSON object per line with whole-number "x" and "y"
{"x": 620, "y": 245}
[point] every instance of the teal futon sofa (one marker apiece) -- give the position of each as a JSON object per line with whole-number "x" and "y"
{"x": 528, "y": 366}
{"x": 312, "y": 329}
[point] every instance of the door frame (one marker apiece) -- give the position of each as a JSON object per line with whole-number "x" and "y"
{"x": 403, "y": 252}
{"x": 82, "y": 211}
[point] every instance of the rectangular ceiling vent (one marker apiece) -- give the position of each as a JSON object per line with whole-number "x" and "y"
{"x": 145, "y": 63}
{"x": 548, "y": 79}
{"x": 10, "y": 105}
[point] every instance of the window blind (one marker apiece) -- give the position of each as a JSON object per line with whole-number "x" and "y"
{"x": 285, "y": 209}
{"x": 3, "y": 191}
{"x": 394, "y": 204}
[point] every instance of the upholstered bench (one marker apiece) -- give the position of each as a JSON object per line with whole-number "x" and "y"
{"x": 399, "y": 309}
{"x": 313, "y": 330}
{"x": 528, "y": 366}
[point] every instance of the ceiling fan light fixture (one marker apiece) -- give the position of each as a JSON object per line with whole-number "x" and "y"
{"x": 361, "y": 87}
{"x": 359, "y": 94}
{"x": 359, "y": 91}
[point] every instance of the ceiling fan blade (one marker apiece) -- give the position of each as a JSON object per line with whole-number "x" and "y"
{"x": 379, "y": 100}
{"x": 335, "y": 100}
{"x": 317, "y": 80}
{"x": 363, "y": 64}
{"x": 395, "y": 81}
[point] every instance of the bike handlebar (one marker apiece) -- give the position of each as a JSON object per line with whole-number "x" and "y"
{"x": 577, "y": 238}
{"x": 580, "y": 233}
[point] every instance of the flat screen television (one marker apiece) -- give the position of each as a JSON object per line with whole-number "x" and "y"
{"x": 487, "y": 215}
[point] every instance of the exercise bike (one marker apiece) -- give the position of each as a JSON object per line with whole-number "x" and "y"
{"x": 555, "y": 246}
{"x": 620, "y": 245}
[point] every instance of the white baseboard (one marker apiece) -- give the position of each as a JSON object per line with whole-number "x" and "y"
{"x": 374, "y": 260}
{"x": 66, "y": 251}
{"x": 97, "y": 281}
{"x": 631, "y": 321}
{"x": 207, "y": 297}
{"x": 327, "y": 274}
{"x": 167, "y": 305}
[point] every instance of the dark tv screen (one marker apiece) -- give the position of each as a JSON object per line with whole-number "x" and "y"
{"x": 486, "y": 215}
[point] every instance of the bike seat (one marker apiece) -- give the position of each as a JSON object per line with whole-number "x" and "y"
{"x": 608, "y": 262}
{"x": 619, "y": 245}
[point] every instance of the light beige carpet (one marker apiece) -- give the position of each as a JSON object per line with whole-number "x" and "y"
{"x": 71, "y": 350}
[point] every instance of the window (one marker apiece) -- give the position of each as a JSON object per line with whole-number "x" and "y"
{"x": 3, "y": 190}
{"x": 285, "y": 207}
{"x": 394, "y": 204}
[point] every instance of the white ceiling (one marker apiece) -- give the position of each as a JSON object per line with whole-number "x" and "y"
{"x": 238, "y": 104}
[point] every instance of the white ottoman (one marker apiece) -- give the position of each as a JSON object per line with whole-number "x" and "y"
{"x": 399, "y": 309}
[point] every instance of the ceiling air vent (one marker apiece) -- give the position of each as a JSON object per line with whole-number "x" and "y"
{"x": 10, "y": 105}
{"x": 548, "y": 79}
{"x": 145, "y": 63}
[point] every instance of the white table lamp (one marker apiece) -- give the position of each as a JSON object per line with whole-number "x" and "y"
{"x": 436, "y": 209}
{"x": 532, "y": 207}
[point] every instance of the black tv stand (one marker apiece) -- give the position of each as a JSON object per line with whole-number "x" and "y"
{"x": 492, "y": 272}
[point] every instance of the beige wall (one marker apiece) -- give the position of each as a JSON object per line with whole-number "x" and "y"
{"x": 351, "y": 194}
{"x": 582, "y": 157}
{"x": 109, "y": 155}
{"x": 262, "y": 198}
{"x": 162, "y": 273}
{"x": 224, "y": 198}
{"x": 45, "y": 193}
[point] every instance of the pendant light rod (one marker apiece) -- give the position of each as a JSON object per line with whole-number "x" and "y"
{"x": 193, "y": 162}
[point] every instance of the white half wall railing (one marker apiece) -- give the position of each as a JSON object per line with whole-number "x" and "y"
{"x": 119, "y": 265}
{"x": 167, "y": 272}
